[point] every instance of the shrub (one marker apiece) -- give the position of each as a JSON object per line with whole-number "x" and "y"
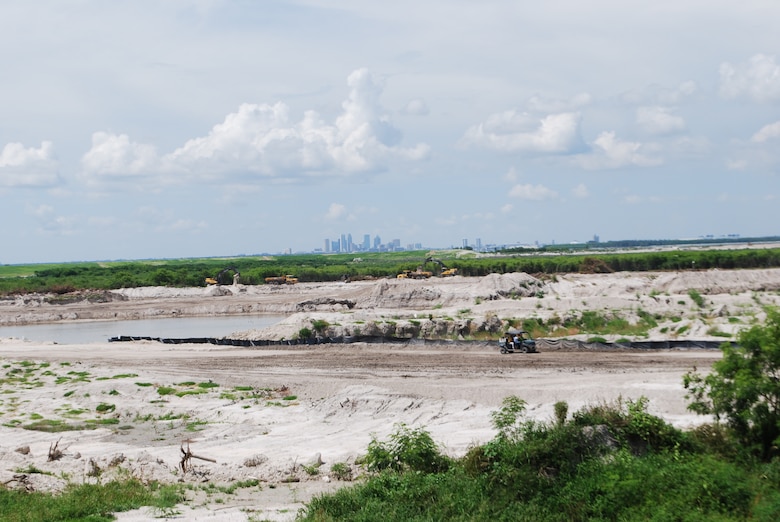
{"x": 342, "y": 471}
{"x": 507, "y": 419}
{"x": 408, "y": 449}
{"x": 743, "y": 387}
{"x": 320, "y": 325}
{"x": 696, "y": 298}
{"x": 561, "y": 411}
{"x": 105, "y": 408}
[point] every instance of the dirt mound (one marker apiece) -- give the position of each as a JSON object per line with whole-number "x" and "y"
{"x": 402, "y": 293}
{"x": 719, "y": 281}
{"x": 516, "y": 284}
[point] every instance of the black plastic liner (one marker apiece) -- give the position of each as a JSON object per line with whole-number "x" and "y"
{"x": 541, "y": 344}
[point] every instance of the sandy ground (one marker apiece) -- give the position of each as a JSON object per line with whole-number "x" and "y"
{"x": 285, "y": 415}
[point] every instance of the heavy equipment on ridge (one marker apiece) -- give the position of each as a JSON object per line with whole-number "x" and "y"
{"x": 281, "y": 280}
{"x": 216, "y": 280}
{"x": 445, "y": 271}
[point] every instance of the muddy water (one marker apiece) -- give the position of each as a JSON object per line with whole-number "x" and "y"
{"x": 78, "y": 332}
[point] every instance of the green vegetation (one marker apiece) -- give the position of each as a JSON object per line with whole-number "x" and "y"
{"x": 744, "y": 389}
{"x": 605, "y": 462}
{"x": 590, "y": 322}
{"x": 64, "y": 278}
{"x": 696, "y": 298}
{"x": 608, "y": 462}
{"x": 94, "y": 503}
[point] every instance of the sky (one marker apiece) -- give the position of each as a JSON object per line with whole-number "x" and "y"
{"x": 203, "y": 128}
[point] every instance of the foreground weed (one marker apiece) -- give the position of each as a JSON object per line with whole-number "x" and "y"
{"x": 87, "y": 502}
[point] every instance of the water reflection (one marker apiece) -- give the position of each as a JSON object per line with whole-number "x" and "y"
{"x": 101, "y": 331}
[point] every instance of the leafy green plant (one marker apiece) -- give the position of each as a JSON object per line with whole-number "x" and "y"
{"x": 507, "y": 419}
{"x": 341, "y": 471}
{"x": 320, "y": 325}
{"x": 406, "y": 449}
{"x": 743, "y": 388}
{"x": 561, "y": 409}
{"x": 105, "y": 407}
{"x": 696, "y": 298}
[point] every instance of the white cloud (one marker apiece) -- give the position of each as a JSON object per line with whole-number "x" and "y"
{"x": 544, "y": 104}
{"x": 116, "y": 155}
{"x": 520, "y": 132}
{"x": 758, "y": 79}
{"x": 659, "y": 120}
{"x": 659, "y": 95}
{"x": 50, "y": 223}
{"x": 336, "y": 211}
{"x": 611, "y": 153}
{"x": 532, "y": 192}
{"x": 767, "y": 132}
{"x": 580, "y": 191}
{"x": 739, "y": 164}
{"x": 416, "y": 107}
{"x": 28, "y": 167}
{"x": 261, "y": 139}
{"x": 506, "y": 209}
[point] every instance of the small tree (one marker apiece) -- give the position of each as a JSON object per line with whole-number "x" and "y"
{"x": 508, "y": 420}
{"x": 744, "y": 387}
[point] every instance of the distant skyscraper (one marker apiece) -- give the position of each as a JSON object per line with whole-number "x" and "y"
{"x": 350, "y": 244}
{"x": 465, "y": 243}
{"x": 377, "y": 242}
{"x": 366, "y": 242}
{"x": 479, "y": 244}
{"x": 327, "y": 246}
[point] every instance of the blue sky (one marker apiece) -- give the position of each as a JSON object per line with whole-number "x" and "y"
{"x": 146, "y": 129}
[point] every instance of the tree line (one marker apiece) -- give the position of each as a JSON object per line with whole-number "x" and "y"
{"x": 66, "y": 277}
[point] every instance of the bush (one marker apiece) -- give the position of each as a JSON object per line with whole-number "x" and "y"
{"x": 743, "y": 388}
{"x": 696, "y": 298}
{"x": 407, "y": 449}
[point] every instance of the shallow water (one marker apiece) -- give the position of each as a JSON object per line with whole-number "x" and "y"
{"x": 79, "y": 332}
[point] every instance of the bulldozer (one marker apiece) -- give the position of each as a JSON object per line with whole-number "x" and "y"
{"x": 216, "y": 280}
{"x": 281, "y": 280}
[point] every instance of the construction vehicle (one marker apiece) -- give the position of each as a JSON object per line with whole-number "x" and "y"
{"x": 415, "y": 274}
{"x": 216, "y": 280}
{"x": 445, "y": 271}
{"x": 281, "y": 280}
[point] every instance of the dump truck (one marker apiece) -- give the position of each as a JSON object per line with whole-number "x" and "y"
{"x": 415, "y": 274}
{"x": 281, "y": 280}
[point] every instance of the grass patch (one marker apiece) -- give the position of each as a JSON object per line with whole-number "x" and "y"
{"x": 165, "y": 390}
{"x": 88, "y": 502}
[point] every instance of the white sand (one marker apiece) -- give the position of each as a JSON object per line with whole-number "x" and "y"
{"x": 343, "y": 394}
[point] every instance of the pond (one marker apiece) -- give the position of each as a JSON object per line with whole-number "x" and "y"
{"x": 79, "y": 332}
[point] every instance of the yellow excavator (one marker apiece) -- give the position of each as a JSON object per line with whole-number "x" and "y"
{"x": 445, "y": 272}
{"x": 217, "y": 280}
